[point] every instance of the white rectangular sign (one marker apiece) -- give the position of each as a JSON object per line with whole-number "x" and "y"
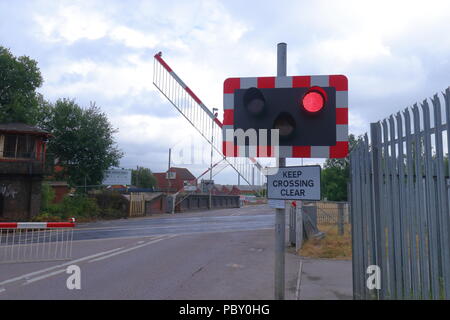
{"x": 117, "y": 177}
{"x": 294, "y": 183}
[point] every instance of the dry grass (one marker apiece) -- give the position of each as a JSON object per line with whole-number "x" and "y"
{"x": 333, "y": 246}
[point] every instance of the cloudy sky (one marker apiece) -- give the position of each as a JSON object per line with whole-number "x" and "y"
{"x": 394, "y": 53}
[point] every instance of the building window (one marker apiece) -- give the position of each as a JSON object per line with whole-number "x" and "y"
{"x": 19, "y": 147}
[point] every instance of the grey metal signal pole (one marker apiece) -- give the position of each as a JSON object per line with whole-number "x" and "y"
{"x": 280, "y": 218}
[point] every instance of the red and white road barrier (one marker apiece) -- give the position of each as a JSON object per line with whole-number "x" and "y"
{"x": 36, "y": 225}
{"x": 35, "y": 241}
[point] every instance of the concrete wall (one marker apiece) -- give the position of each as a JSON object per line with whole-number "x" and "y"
{"x": 200, "y": 202}
{"x": 20, "y": 196}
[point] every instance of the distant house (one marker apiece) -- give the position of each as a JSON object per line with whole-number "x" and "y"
{"x": 225, "y": 190}
{"x": 242, "y": 189}
{"x": 22, "y": 159}
{"x": 174, "y": 180}
{"x": 249, "y": 190}
{"x": 236, "y": 190}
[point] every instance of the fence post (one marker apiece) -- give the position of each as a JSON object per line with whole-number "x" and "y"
{"x": 299, "y": 225}
{"x": 340, "y": 218}
{"x": 291, "y": 211}
{"x": 375, "y": 138}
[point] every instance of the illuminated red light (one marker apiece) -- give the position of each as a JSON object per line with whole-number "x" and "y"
{"x": 313, "y": 101}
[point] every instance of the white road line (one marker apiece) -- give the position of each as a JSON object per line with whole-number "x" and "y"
{"x": 130, "y": 249}
{"x": 2, "y": 290}
{"x": 220, "y": 231}
{"x": 116, "y": 252}
{"x": 299, "y": 277}
{"x": 28, "y": 275}
{"x": 45, "y": 276}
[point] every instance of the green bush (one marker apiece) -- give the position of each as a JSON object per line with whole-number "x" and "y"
{"x": 77, "y": 206}
{"x": 112, "y": 205}
{"x": 106, "y": 205}
{"x": 47, "y": 196}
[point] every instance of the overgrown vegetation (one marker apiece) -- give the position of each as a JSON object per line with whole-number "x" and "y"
{"x": 333, "y": 246}
{"x": 81, "y": 207}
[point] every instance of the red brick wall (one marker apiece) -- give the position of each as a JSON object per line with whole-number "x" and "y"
{"x": 60, "y": 192}
{"x": 155, "y": 206}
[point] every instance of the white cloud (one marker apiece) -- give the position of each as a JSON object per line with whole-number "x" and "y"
{"x": 72, "y": 23}
{"x": 133, "y": 38}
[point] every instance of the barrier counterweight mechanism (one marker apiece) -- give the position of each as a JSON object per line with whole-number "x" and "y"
{"x": 35, "y": 241}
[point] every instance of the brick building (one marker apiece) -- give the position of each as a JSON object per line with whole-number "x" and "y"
{"x": 174, "y": 180}
{"x": 22, "y": 158}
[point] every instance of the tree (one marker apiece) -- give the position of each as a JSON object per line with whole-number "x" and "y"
{"x": 143, "y": 178}
{"x": 82, "y": 142}
{"x": 335, "y": 175}
{"x": 19, "y": 79}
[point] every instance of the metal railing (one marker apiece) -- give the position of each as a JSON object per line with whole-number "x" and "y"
{"x": 35, "y": 241}
{"x": 315, "y": 214}
{"x": 330, "y": 212}
{"x": 400, "y": 204}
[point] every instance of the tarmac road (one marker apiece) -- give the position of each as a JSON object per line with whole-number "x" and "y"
{"x": 221, "y": 254}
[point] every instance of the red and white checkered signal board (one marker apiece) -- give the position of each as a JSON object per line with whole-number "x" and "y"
{"x": 338, "y": 82}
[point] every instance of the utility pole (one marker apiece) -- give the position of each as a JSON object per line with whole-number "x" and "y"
{"x": 168, "y": 173}
{"x": 280, "y": 217}
{"x": 211, "y": 165}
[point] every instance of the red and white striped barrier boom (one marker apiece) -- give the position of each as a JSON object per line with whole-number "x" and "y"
{"x": 35, "y": 241}
{"x": 36, "y": 225}
{"x": 200, "y": 117}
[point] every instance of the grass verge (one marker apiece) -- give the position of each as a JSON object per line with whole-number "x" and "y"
{"x": 333, "y": 246}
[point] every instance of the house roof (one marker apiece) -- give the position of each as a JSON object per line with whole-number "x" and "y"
{"x": 17, "y": 127}
{"x": 182, "y": 173}
{"x": 244, "y": 187}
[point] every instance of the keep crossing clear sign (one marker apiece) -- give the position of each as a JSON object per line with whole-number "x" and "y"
{"x": 294, "y": 183}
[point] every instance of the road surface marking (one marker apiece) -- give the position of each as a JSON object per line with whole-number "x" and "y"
{"x": 2, "y": 290}
{"x": 45, "y": 276}
{"x": 299, "y": 277}
{"x": 28, "y": 275}
{"x": 51, "y": 274}
{"x": 130, "y": 249}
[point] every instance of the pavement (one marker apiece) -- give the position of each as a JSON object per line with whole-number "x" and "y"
{"x": 323, "y": 279}
{"x": 213, "y": 255}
